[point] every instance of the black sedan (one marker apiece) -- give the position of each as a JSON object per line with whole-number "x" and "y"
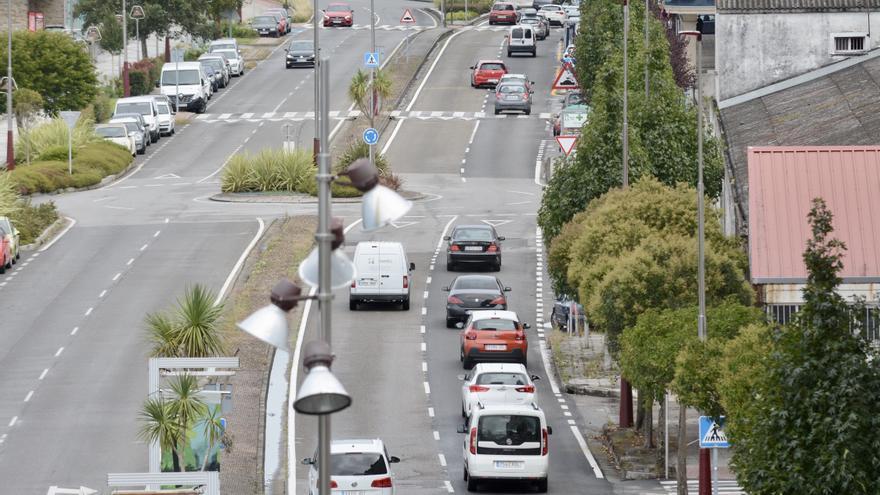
{"x": 265, "y": 25}
{"x": 300, "y": 53}
{"x": 470, "y": 292}
{"x": 473, "y": 244}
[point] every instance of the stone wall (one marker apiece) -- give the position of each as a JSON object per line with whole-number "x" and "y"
{"x": 19, "y": 14}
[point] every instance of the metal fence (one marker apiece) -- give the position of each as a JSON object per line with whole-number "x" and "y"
{"x": 865, "y": 321}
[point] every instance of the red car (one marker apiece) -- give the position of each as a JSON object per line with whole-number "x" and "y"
{"x": 493, "y": 336}
{"x": 487, "y": 73}
{"x": 338, "y": 14}
{"x": 503, "y": 12}
{"x": 5, "y": 252}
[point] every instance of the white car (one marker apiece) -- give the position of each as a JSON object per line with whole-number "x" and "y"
{"x": 496, "y": 383}
{"x": 117, "y": 133}
{"x": 506, "y": 442}
{"x": 357, "y": 467}
{"x": 554, "y": 14}
{"x": 236, "y": 63}
{"x": 166, "y": 118}
{"x": 383, "y": 275}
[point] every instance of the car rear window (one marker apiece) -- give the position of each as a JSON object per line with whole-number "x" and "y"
{"x": 496, "y": 378}
{"x": 222, "y": 46}
{"x": 512, "y": 88}
{"x": 260, "y": 19}
{"x": 492, "y": 66}
{"x": 357, "y": 464}
{"x": 338, "y": 8}
{"x": 516, "y": 33}
{"x": 502, "y": 6}
{"x": 475, "y": 283}
{"x": 495, "y": 324}
{"x": 472, "y": 235}
{"x": 509, "y": 429}
{"x": 142, "y": 108}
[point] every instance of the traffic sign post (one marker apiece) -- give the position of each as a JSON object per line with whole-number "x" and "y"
{"x": 566, "y": 79}
{"x": 371, "y": 136}
{"x": 70, "y": 118}
{"x": 371, "y": 60}
{"x": 713, "y": 436}
{"x": 566, "y": 143}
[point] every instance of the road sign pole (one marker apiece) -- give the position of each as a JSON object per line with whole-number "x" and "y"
{"x": 10, "y": 147}
{"x": 714, "y": 471}
{"x": 372, "y": 79}
{"x": 137, "y": 35}
{"x": 70, "y": 150}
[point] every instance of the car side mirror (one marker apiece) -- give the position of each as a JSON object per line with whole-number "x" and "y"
{"x": 157, "y": 84}
{"x": 549, "y": 430}
{"x": 412, "y": 266}
{"x": 502, "y": 238}
{"x": 446, "y": 237}
{"x": 308, "y": 461}
{"x": 462, "y": 428}
{"x": 446, "y": 288}
{"x": 531, "y": 91}
{"x": 287, "y": 49}
{"x": 394, "y": 459}
{"x": 507, "y": 289}
{"x": 462, "y": 377}
{"x": 471, "y": 67}
{"x": 526, "y": 326}
{"x": 535, "y": 377}
{"x": 203, "y": 81}
{"x": 459, "y": 325}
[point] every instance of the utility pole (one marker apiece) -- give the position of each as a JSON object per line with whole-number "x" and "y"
{"x": 10, "y": 147}
{"x": 443, "y": 12}
{"x": 647, "y": 51}
{"x": 125, "y": 82}
{"x": 625, "y": 91}
{"x": 372, "y": 79}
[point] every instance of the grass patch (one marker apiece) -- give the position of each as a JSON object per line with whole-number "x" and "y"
{"x": 49, "y": 141}
{"x": 92, "y": 162}
{"x": 460, "y": 15}
{"x": 302, "y": 10}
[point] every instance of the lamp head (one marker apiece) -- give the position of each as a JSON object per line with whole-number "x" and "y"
{"x": 364, "y": 175}
{"x": 269, "y": 323}
{"x": 320, "y": 392}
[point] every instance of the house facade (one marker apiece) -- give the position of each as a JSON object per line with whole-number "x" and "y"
{"x": 761, "y": 42}
{"x": 37, "y": 14}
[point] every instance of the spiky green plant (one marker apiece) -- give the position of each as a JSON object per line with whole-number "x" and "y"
{"x": 197, "y": 317}
{"x": 162, "y": 334}
{"x": 159, "y": 424}
{"x": 186, "y": 407}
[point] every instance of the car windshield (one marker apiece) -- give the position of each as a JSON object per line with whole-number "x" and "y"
{"x": 173, "y": 77}
{"x": 509, "y": 429}
{"x": 338, "y": 7}
{"x": 475, "y": 283}
{"x": 357, "y": 464}
{"x": 229, "y": 54}
{"x": 142, "y": 108}
{"x": 163, "y": 108}
{"x": 472, "y": 234}
{"x": 301, "y": 46}
{"x": 512, "y": 88}
{"x": 214, "y": 63}
{"x": 516, "y": 33}
{"x": 264, "y": 19}
{"x": 498, "y": 378}
{"x": 111, "y": 132}
{"x": 492, "y": 66}
{"x": 494, "y": 324}
{"x": 222, "y": 46}
{"x": 131, "y": 126}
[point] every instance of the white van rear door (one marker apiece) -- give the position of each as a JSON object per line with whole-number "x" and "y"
{"x": 367, "y": 270}
{"x": 391, "y": 277}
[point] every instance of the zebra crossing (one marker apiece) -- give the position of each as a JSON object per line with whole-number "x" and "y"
{"x": 349, "y": 115}
{"x": 394, "y": 27}
{"x": 727, "y": 487}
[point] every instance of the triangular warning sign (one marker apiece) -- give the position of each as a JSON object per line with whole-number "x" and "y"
{"x": 407, "y": 17}
{"x": 714, "y": 434}
{"x": 566, "y": 143}
{"x": 565, "y": 80}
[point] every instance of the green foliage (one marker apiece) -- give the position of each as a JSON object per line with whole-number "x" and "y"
{"x": 359, "y": 149}
{"x": 93, "y": 162}
{"x": 456, "y": 6}
{"x": 268, "y": 170}
{"x": 302, "y": 10}
{"x": 192, "y": 54}
{"x": 26, "y": 103}
{"x": 50, "y": 136}
{"x": 9, "y": 196}
{"x": 54, "y": 66}
{"x": 359, "y": 88}
{"x": 143, "y": 75}
{"x": 159, "y": 424}
{"x": 239, "y": 31}
{"x": 139, "y": 81}
{"x": 810, "y": 424}
{"x": 191, "y": 330}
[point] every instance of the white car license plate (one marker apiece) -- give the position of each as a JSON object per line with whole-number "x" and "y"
{"x": 508, "y": 464}
{"x": 493, "y": 80}
{"x": 367, "y": 283}
{"x": 473, "y": 248}
{"x": 353, "y": 492}
{"x": 496, "y": 347}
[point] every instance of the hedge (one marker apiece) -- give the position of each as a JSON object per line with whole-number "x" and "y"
{"x": 93, "y": 162}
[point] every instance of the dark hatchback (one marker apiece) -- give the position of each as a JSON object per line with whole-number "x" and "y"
{"x": 470, "y": 292}
{"x": 265, "y": 25}
{"x": 477, "y": 244}
{"x": 300, "y": 53}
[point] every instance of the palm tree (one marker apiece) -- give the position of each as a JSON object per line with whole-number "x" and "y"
{"x": 359, "y": 90}
{"x": 197, "y": 318}
{"x": 213, "y": 431}
{"x": 186, "y": 407}
{"x": 162, "y": 334}
{"x": 160, "y": 425}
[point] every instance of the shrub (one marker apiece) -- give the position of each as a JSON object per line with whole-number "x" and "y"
{"x": 302, "y": 10}
{"x": 359, "y": 149}
{"x": 8, "y": 195}
{"x": 110, "y": 158}
{"x": 93, "y": 162}
{"x": 53, "y": 135}
{"x": 140, "y": 82}
{"x": 32, "y": 220}
{"x": 102, "y": 107}
{"x": 192, "y": 54}
{"x": 268, "y": 170}
{"x": 56, "y": 153}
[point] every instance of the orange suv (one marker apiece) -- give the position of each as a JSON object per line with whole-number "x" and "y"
{"x": 496, "y": 336}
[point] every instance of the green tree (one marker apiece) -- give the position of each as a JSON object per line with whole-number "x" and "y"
{"x": 26, "y": 104}
{"x": 811, "y": 426}
{"x": 54, "y": 66}
{"x": 197, "y": 317}
{"x": 159, "y": 424}
{"x": 213, "y": 424}
{"x": 359, "y": 90}
{"x": 187, "y": 408}
{"x": 162, "y": 334}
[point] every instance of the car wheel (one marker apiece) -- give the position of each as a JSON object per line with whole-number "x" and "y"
{"x": 508, "y": 53}
{"x": 528, "y": 111}
{"x": 172, "y": 131}
{"x": 9, "y": 262}
{"x": 352, "y": 305}
{"x": 464, "y": 474}
{"x": 525, "y": 362}
{"x": 2, "y": 268}
{"x": 534, "y": 53}
{"x": 491, "y": 22}
{"x": 496, "y": 267}
{"x": 405, "y": 305}
{"x": 497, "y": 111}
{"x": 464, "y": 415}
{"x": 450, "y": 266}
{"x": 450, "y": 323}
{"x": 542, "y": 485}
{"x": 471, "y": 485}
{"x": 142, "y": 150}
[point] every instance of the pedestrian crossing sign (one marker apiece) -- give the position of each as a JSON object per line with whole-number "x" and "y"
{"x": 371, "y": 60}
{"x": 712, "y": 434}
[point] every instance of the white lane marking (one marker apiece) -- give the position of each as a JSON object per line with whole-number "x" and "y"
{"x": 564, "y": 407}
{"x": 425, "y": 295}
{"x": 102, "y": 294}
{"x": 586, "y": 450}
{"x": 428, "y": 280}
{"x": 473, "y": 133}
{"x": 442, "y": 459}
{"x": 424, "y": 311}
{"x": 13, "y": 421}
{"x": 236, "y": 150}
{"x": 28, "y": 396}
{"x": 424, "y": 366}
{"x": 59, "y": 351}
{"x": 566, "y": 414}
{"x": 60, "y": 234}
{"x": 75, "y": 329}
{"x": 240, "y": 262}
{"x": 167, "y": 220}
{"x": 427, "y": 388}
{"x": 422, "y": 329}
{"x": 157, "y": 233}
{"x": 116, "y": 277}
{"x": 431, "y": 412}
{"x": 572, "y": 422}
{"x": 89, "y": 311}
{"x": 424, "y": 347}
{"x": 130, "y": 262}
{"x": 436, "y": 435}
{"x": 43, "y": 374}
{"x": 144, "y": 247}
{"x": 449, "y": 488}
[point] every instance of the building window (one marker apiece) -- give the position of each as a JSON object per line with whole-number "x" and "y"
{"x": 849, "y": 43}
{"x": 865, "y": 321}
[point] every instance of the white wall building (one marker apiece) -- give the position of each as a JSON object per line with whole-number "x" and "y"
{"x": 760, "y": 42}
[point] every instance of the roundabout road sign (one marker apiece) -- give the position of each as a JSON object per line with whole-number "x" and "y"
{"x": 371, "y": 136}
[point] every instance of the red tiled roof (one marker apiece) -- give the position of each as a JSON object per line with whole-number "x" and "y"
{"x": 783, "y": 180}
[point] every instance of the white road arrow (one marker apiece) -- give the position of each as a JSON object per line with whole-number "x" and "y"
{"x": 402, "y": 224}
{"x": 496, "y": 223}
{"x": 82, "y": 490}
{"x": 168, "y": 176}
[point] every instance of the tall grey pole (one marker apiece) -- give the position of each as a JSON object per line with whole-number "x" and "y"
{"x": 124, "y": 48}
{"x": 372, "y": 78}
{"x": 714, "y": 471}
{"x": 323, "y": 237}
{"x": 625, "y": 91}
{"x": 318, "y": 144}
{"x": 647, "y": 51}
{"x": 137, "y": 36}
{"x": 701, "y": 265}
{"x": 10, "y": 147}
{"x": 443, "y": 11}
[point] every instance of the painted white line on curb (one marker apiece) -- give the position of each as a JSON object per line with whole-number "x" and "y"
{"x": 60, "y": 234}
{"x": 449, "y": 486}
{"x": 240, "y": 262}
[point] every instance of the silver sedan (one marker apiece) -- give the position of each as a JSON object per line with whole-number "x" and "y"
{"x": 514, "y": 97}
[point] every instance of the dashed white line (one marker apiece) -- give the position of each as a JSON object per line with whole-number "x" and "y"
{"x": 116, "y": 277}
{"x": 89, "y": 311}
{"x": 442, "y": 459}
{"x": 424, "y": 367}
{"x": 427, "y": 388}
{"x": 449, "y": 488}
{"x": 75, "y": 329}
{"x": 428, "y": 280}
{"x": 431, "y": 412}
{"x": 424, "y": 347}
{"x": 425, "y": 310}
{"x": 422, "y": 329}
{"x": 29, "y": 395}
{"x": 157, "y": 233}
{"x": 13, "y": 421}
{"x": 59, "y": 351}
{"x": 436, "y": 435}
{"x": 143, "y": 247}
{"x": 130, "y": 261}
{"x": 425, "y": 296}
{"x": 43, "y": 374}
{"x": 102, "y": 294}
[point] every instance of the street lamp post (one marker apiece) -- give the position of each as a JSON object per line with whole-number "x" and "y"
{"x": 372, "y": 78}
{"x": 10, "y": 147}
{"x": 625, "y": 412}
{"x": 705, "y": 466}
{"x": 125, "y": 82}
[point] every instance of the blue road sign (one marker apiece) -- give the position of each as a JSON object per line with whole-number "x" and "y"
{"x": 712, "y": 434}
{"x": 371, "y": 60}
{"x": 371, "y": 136}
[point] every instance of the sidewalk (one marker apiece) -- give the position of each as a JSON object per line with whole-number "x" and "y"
{"x": 587, "y": 373}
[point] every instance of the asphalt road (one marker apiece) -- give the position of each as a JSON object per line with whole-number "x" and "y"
{"x": 73, "y": 364}
{"x": 402, "y": 368}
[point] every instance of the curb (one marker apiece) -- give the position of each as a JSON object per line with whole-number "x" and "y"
{"x": 48, "y": 234}
{"x": 295, "y": 198}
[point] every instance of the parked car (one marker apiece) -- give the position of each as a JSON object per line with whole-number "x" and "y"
{"x": 142, "y": 125}
{"x": 213, "y": 77}
{"x": 521, "y": 39}
{"x": 506, "y": 442}
{"x": 265, "y": 25}
{"x": 470, "y": 293}
{"x": 564, "y": 306}
{"x": 554, "y": 14}
{"x": 383, "y": 274}
{"x": 338, "y": 14}
{"x": 284, "y": 12}
{"x": 166, "y": 118}
{"x": 496, "y": 383}
{"x": 356, "y": 466}
{"x": 13, "y": 236}
{"x": 473, "y": 244}
{"x": 135, "y": 131}
{"x": 219, "y": 64}
{"x": 144, "y": 105}
{"x": 503, "y": 12}
{"x": 300, "y": 53}
{"x": 487, "y": 73}
{"x": 281, "y": 20}
{"x": 6, "y": 257}
{"x": 496, "y": 336}
{"x": 116, "y": 133}
{"x": 223, "y": 44}
{"x": 513, "y": 96}
{"x": 236, "y": 63}
{"x": 186, "y": 84}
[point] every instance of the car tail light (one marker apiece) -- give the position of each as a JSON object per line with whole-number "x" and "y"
{"x": 478, "y": 388}
{"x": 382, "y": 483}
{"x": 454, "y": 300}
{"x": 454, "y": 247}
{"x": 474, "y": 440}
{"x": 470, "y": 335}
{"x": 519, "y": 336}
{"x": 406, "y": 282}
{"x": 493, "y": 248}
{"x": 498, "y": 300}
{"x": 333, "y": 484}
{"x": 528, "y": 389}
{"x": 526, "y": 96}
{"x": 354, "y": 284}
{"x": 546, "y": 446}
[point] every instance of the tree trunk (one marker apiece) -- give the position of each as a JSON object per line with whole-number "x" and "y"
{"x": 649, "y": 423}
{"x": 181, "y": 452}
{"x": 640, "y": 412}
{"x": 681, "y": 464}
{"x": 175, "y": 461}
{"x": 661, "y": 435}
{"x": 144, "y": 47}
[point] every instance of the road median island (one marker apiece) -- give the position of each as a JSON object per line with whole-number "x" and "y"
{"x": 286, "y": 242}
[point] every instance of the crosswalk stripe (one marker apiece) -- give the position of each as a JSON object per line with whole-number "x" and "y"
{"x": 727, "y": 487}
{"x": 336, "y": 114}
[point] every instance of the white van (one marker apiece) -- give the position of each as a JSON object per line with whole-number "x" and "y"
{"x": 188, "y": 81}
{"x": 506, "y": 442}
{"x": 144, "y": 105}
{"x": 383, "y": 274}
{"x": 521, "y": 39}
